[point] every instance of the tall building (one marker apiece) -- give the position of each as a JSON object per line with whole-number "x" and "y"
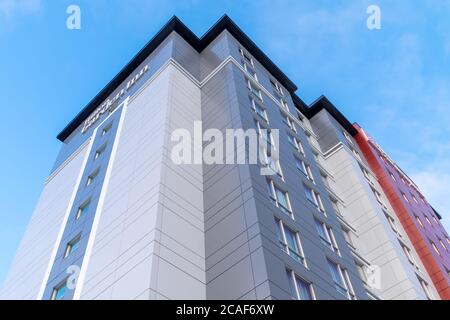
{"x": 119, "y": 219}
{"x": 419, "y": 219}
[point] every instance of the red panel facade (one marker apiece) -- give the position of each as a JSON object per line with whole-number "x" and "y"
{"x": 415, "y": 214}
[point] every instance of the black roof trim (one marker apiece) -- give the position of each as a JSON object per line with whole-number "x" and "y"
{"x": 323, "y": 103}
{"x": 436, "y": 213}
{"x": 175, "y": 24}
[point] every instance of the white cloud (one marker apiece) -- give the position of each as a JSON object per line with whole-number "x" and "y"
{"x": 435, "y": 186}
{"x": 9, "y": 9}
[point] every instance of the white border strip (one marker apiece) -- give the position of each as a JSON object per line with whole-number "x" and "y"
{"x": 64, "y": 223}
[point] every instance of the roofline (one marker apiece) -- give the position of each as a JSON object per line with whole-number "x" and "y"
{"x": 175, "y": 24}
{"x": 323, "y": 103}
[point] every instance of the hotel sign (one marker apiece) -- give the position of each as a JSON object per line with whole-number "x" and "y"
{"x": 110, "y": 104}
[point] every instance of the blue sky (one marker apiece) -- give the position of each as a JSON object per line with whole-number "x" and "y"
{"x": 395, "y": 82}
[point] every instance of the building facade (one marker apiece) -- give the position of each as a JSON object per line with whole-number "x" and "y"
{"x": 418, "y": 218}
{"x": 118, "y": 219}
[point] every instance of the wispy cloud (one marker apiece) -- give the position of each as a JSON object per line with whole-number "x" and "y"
{"x": 11, "y": 9}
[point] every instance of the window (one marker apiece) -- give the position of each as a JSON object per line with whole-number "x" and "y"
{"x": 347, "y": 136}
{"x": 270, "y": 162}
{"x": 356, "y": 153}
{"x": 325, "y": 179}
{"x": 366, "y": 174}
{"x": 408, "y": 254}
{"x": 426, "y": 289}
{"x": 378, "y": 196}
{"x": 314, "y": 198}
{"x": 443, "y": 245}
{"x": 348, "y": 237}
{"x": 326, "y": 235}
{"x": 392, "y": 176}
{"x": 295, "y": 143}
{"x": 59, "y": 291}
{"x": 259, "y": 109}
{"x": 289, "y": 122}
{"x": 290, "y": 242}
{"x": 284, "y": 104}
{"x": 92, "y": 177}
{"x": 419, "y": 221}
{"x": 361, "y": 271}
{"x": 428, "y": 220}
{"x": 276, "y": 87}
{"x": 106, "y": 129}
{"x": 435, "y": 220}
{"x": 300, "y": 116}
{"x": 392, "y": 223}
{"x": 300, "y": 289}
{"x": 448, "y": 240}
{"x": 435, "y": 248}
{"x": 280, "y": 198}
{"x": 72, "y": 245}
{"x": 335, "y": 205}
{"x": 250, "y": 71}
{"x": 341, "y": 280}
{"x": 405, "y": 197}
{"x": 99, "y": 151}
{"x": 253, "y": 89}
{"x": 265, "y": 135}
{"x": 304, "y": 168}
{"x": 246, "y": 57}
{"x": 82, "y": 210}
{"x": 415, "y": 199}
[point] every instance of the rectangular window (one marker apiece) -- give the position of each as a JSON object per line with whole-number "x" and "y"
{"x": 253, "y": 89}
{"x": 99, "y": 151}
{"x": 392, "y": 223}
{"x": 419, "y": 221}
{"x": 284, "y": 104}
{"x": 325, "y": 179}
{"x": 314, "y": 198}
{"x": 266, "y": 135}
{"x": 443, "y": 245}
{"x": 356, "y": 153}
{"x": 92, "y": 177}
{"x": 289, "y": 122}
{"x": 249, "y": 69}
{"x": 392, "y": 176}
{"x": 258, "y": 109}
{"x": 347, "y": 137}
{"x": 426, "y": 289}
{"x": 246, "y": 57}
{"x": 335, "y": 205}
{"x": 59, "y": 291}
{"x": 276, "y": 87}
{"x": 415, "y": 199}
{"x": 378, "y": 196}
{"x": 304, "y": 168}
{"x": 405, "y": 197}
{"x": 280, "y": 198}
{"x": 341, "y": 280}
{"x": 408, "y": 254}
{"x": 290, "y": 242}
{"x": 72, "y": 246}
{"x": 106, "y": 129}
{"x": 366, "y": 174}
{"x": 300, "y": 289}
{"x": 326, "y": 235}
{"x": 82, "y": 210}
{"x": 296, "y": 143}
{"x": 270, "y": 162}
{"x": 435, "y": 248}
